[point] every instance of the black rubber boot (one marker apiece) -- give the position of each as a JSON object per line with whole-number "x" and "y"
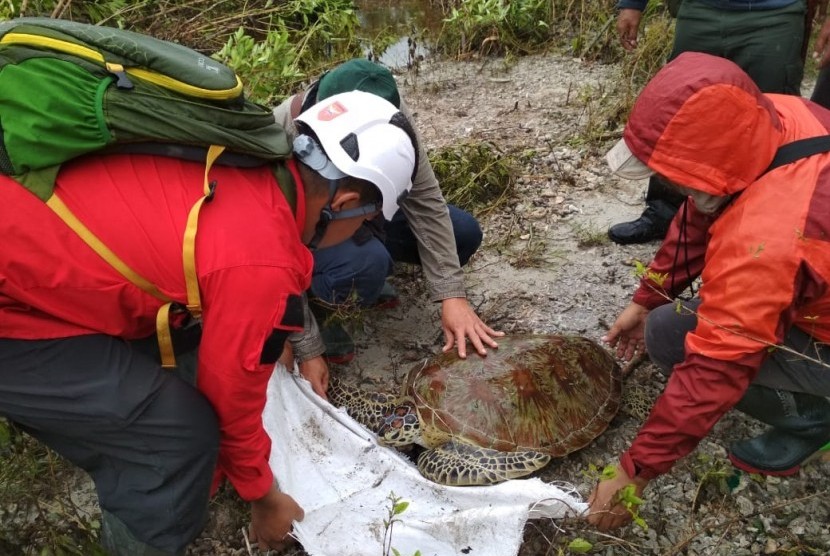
{"x": 801, "y": 429}
{"x": 652, "y": 224}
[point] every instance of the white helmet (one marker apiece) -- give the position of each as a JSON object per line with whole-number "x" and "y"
{"x": 362, "y": 136}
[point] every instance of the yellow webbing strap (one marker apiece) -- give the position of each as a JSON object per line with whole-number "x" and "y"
{"x": 63, "y": 212}
{"x": 165, "y": 338}
{"x": 194, "y": 301}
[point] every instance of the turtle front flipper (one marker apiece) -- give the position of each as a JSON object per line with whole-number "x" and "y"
{"x": 461, "y": 464}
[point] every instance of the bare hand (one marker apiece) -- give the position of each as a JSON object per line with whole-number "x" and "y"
{"x": 316, "y": 371}
{"x": 822, "y": 48}
{"x": 460, "y": 322}
{"x": 627, "y": 334}
{"x": 606, "y": 512}
{"x": 272, "y": 518}
{"x": 287, "y": 357}
{"x": 628, "y": 25}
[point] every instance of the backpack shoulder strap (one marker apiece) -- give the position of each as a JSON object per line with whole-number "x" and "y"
{"x": 796, "y": 150}
{"x": 285, "y": 180}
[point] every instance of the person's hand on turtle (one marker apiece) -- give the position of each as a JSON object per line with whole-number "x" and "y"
{"x": 606, "y": 511}
{"x": 461, "y": 322}
{"x": 272, "y": 518}
{"x": 627, "y": 334}
{"x": 316, "y": 371}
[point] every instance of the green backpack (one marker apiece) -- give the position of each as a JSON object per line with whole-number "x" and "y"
{"x": 68, "y": 89}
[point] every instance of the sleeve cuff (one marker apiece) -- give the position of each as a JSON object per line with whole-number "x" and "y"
{"x": 631, "y": 5}
{"x": 633, "y": 470}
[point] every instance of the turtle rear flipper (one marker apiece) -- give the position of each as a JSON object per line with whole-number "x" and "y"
{"x": 461, "y": 464}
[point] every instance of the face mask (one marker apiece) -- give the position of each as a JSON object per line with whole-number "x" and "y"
{"x": 708, "y": 204}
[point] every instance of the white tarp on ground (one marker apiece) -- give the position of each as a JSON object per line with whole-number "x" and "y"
{"x": 342, "y": 478}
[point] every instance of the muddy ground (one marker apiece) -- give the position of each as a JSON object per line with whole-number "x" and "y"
{"x": 546, "y": 266}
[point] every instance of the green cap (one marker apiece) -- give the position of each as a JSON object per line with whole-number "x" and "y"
{"x": 360, "y": 75}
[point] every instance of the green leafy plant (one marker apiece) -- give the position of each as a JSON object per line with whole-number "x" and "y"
{"x": 580, "y": 546}
{"x": 474, "y": 176}
{"x": 302, "y": 40}
{"x": 267, "y": 67}
{"x": 397, "y": 506}
{"x": 496, "y": 26}
{"x": 631, "y": 502}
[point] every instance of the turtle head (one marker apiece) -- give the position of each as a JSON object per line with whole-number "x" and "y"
{"x": 400, "y": 426}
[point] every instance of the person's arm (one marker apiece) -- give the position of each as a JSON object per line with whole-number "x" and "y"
{"x": 822, "y": 47}
{"x": 426, "y": 212}
{"x": 307, "y": 344}
{"x": 249, "y": 313}
{"x": 697, "y": 395}
{"x": 628, "y": 21}
{"x": 428, "y": 217}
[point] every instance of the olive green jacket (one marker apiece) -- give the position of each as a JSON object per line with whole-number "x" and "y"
{"x": 426, "y": 211}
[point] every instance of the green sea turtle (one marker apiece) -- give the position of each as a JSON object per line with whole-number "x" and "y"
{"x": 487, "y": 419}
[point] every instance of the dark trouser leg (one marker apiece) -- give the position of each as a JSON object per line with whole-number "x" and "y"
{"x": 666, "y": 330}
{"x": 350, "y": 269}
{"x": 665, "y": 334}
{"x": 788, "y": 393}
{"x": 361, "y": 269}
{"x": 821, "y": 93}
{"x": 402, "y": 245}
{"x": 766, "y": 44}
{"x": 148, "y": 440}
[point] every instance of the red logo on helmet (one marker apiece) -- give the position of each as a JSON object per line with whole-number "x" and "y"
{"x": 331, "y": 111}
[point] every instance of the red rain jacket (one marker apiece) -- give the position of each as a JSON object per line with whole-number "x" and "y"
{"x": 764, "y": 261}
{"x": 251, "y": 266}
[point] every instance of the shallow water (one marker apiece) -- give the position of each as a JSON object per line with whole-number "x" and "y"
{"x": 411, "y": 19}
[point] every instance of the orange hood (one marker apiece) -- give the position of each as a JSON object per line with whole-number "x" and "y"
{"x": 703, "y": 123}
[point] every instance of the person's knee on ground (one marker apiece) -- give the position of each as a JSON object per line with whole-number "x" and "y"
{"x": 468, "y": 234}
{"x": 349, "y": 271}
{"x": 665, "y": 334}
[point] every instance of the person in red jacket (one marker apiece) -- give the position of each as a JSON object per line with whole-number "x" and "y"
{"x": 76, "y": 371}
{"x": 754, "y": 228}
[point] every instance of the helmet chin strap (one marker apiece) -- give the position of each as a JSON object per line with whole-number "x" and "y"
{"x": 327, "y": 215}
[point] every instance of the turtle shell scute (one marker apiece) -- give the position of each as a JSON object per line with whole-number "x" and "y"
{"x": 548, "y": 393}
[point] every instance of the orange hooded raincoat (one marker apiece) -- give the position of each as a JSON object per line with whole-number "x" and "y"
{"x": 764, "y": 260}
